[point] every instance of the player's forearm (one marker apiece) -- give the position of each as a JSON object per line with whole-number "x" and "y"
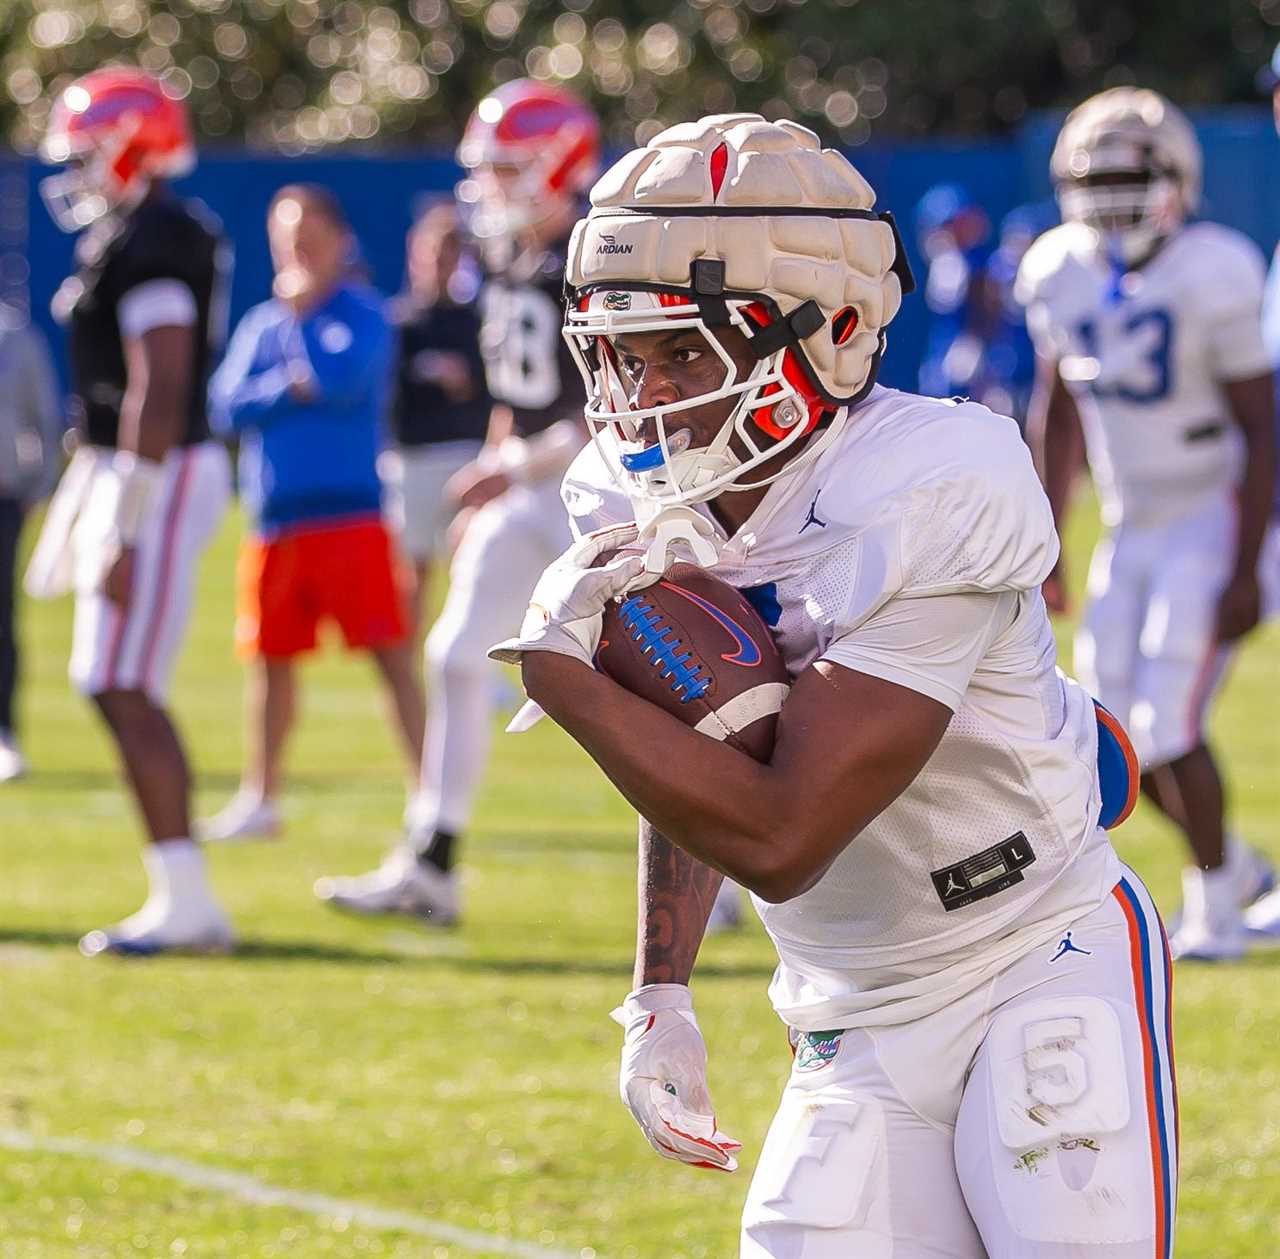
{"x": 1255, "y": 500}
{"x": 502, "y": 423}
{"x": 1064, "y": 457}
{"x": 1056, "y": 441}
{"x": 1252, "y": 403}
{"x": 150, "y": 423}
{"x": 716, "y": 803}
{"x": 157, "y": 394}
{"x": 676, "y": 895}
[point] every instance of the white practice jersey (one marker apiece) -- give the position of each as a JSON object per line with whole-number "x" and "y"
{"x": 913, "y": 549}
{"x": 1145, "y": 355}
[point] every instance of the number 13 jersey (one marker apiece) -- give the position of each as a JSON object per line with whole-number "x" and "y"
{"x": 1145, "y": 354}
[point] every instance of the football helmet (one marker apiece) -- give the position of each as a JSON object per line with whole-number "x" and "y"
{"x": 117, "y": 131}
{"x": 1127, "y": 163}
{"x": 529, "y": 149}
{"x": 732, "y": 221}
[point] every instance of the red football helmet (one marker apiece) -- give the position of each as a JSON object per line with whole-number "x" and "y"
{"x": 530, "y": 148}
{"x": 117, "y": 130}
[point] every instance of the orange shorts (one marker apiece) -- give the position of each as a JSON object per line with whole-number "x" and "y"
{"x": 286, "y": 586}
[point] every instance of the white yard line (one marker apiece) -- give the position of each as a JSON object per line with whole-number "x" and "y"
{"x": 258, "y": 1192}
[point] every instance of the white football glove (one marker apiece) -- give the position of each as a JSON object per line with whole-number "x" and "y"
{"x": 566, "y": 609}
{"x": 663, "y": 1080}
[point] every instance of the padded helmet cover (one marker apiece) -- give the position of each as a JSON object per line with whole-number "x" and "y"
{"x": 791, "y": 222}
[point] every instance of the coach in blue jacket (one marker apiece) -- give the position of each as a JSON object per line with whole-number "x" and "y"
{"x": 304, "y": 387}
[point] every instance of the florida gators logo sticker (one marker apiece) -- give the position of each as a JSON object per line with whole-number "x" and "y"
{"x": 814, "y": 1050}
{"x": 748, "y": 652}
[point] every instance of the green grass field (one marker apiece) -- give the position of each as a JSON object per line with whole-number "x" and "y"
{"x": 467, "y": 1078}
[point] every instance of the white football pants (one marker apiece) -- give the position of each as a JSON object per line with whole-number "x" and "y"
{"x": 505, "y": 549}
{"x": 136, "y": 649}
{"x": 1033, "y": 1119}
{"x": 413, "y": 481}
{"x": 1147, "y": 647}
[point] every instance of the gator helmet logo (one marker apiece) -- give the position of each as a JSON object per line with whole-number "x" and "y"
{"x": 815, "y": 1049}
{"x": 617, "y": 301}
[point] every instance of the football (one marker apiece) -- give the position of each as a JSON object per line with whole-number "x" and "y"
{"x": 695, "y": 646}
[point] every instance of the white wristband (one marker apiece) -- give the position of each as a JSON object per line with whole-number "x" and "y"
{"x": 138, "y": 480}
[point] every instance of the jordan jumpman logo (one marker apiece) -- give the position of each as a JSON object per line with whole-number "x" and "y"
{"x": 1066, "y": 946}
{"x": 812, "y": 518}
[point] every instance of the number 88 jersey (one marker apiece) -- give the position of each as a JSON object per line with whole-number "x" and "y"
{"x": 527, "y": 364}
{"x": 1145, "y": 354}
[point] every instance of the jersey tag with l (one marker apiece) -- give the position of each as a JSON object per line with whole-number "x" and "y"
{"x": 984, "y": 874}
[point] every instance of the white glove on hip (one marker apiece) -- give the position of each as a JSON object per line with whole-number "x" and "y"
{"x": 567, "y": 606}
{"x": 663, "y": 1080}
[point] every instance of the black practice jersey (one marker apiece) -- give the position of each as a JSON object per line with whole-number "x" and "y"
{"x": 527, "y": 363}
{"x": 424, "y": 412}
{"x": 162, "y": 239}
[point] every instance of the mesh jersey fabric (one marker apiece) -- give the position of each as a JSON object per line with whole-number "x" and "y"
{"x": 921, "y": 500}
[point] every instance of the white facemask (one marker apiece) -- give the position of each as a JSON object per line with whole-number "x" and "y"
{"x": 658, "y": 461}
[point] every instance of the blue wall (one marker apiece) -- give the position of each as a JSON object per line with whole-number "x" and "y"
{"x": 1242, "y": 188}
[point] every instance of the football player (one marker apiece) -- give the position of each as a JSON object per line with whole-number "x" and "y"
{"x": 144, "y": 310}
{"x": 530, "y": 150}
{"x": 954, "y": 234}
{"x": 1262, "y": 918}
{"x": 976, "y": 989}
{"x": 440, "y": 410}
{"x": 1148, "y": 335}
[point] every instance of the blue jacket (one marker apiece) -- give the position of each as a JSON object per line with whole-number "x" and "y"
{"x": 308, "y": 458}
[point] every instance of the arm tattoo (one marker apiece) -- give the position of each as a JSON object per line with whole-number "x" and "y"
{"x": 676, "y": 895}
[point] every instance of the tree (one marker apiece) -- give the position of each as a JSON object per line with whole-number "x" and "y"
{"x": 298, "y": 75}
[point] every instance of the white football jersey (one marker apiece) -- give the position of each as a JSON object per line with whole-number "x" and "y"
{"x": 913, "y": 549}
{"x": 1145, "y": 353}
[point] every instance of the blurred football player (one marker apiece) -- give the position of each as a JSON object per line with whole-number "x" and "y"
{"x": 976, "y": 989}
{"x": 148, "y": 488}
{"x": 440, "y": 411}
{"x": 1262, "y": 919}
{"x": 1147, "y": 330}
{"x": 1007, "y": 369}
{"x": 530, "y": 150}
{"x": 978, "y": 344}
{"x": 31, "y": 431}
{"x": 955, "y": 238}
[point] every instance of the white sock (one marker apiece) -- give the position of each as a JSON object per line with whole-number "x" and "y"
{"x": 419, "y": 814}
{"x": 176, "y": 877}
{"x": 247, "y": 799}
{"x": 1210, "y": 897}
